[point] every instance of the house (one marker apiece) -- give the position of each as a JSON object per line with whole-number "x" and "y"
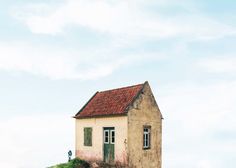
{"x": 121, "y": 126}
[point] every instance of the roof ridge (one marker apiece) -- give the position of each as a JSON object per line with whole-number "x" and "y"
{"x": 122, "y": 87}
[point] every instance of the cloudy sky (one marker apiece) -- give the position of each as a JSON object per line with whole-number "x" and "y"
{"x": 54, "y": 54}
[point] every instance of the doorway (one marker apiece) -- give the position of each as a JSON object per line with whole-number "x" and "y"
{"x": 109, "y": 144}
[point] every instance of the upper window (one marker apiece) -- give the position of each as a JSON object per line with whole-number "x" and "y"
{"x": 146, "y": 137}
{"x": 88, "y": 136}
{"x": 112, "y": 136}
{"x": 106, "y": 136}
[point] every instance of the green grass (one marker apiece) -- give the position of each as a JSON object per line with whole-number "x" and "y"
{"x": 74, "y": 163}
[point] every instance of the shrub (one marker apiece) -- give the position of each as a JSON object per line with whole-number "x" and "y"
{"x": 74, "y": 163}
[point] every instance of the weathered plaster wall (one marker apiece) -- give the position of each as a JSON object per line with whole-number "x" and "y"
{"x": 144, "y": 112}
{"x": 95, "y": 152}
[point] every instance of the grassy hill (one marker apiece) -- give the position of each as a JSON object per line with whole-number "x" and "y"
{"x": 74, "y": 163}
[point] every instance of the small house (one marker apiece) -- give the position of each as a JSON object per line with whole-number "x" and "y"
{"x": 121, "y": 127}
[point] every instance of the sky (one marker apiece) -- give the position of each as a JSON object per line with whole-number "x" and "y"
{"x": 55, "y": 54}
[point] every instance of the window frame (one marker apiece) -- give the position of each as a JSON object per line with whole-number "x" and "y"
{"x": 90, "y": 143}
{"x": 146, "y": 137}
{"x": 108, "y": 138}
{"x": 112, "y": 137}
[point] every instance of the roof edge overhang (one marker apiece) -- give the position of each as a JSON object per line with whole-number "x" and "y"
{"x": 100, "y": 116}
{"x": 136, "y": 96}
{"x": 85, "y": 104}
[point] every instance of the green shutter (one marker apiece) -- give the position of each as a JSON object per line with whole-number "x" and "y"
{"x": 88, "y": 136}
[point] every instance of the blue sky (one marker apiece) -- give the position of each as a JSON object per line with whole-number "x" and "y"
{"x": 54, "y": 54}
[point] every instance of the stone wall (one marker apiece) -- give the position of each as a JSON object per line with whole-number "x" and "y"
{"x": 144, "y": 112}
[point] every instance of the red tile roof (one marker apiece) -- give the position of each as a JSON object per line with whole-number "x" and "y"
{"x": 110, "y": 102}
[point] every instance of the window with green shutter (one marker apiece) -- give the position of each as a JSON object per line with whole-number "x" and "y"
{"x": 88, "y": 136}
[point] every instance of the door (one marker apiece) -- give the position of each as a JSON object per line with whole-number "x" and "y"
{"x": 109, "y": 144}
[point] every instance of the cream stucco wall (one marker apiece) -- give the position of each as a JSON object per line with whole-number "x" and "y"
{"x": 144, "y": 111}
{"x": 95, "y": 152}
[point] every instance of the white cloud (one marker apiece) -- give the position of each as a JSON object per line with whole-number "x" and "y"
{"x": 55, "y": 63}
{"x": 122, "y": 18}
{"x": 35, "y": 141}
{"x": 196, "y": 120}
{"x": 225, "y": 64}
{"x": 66, "y": 63}
{"x": 200, "y": 108}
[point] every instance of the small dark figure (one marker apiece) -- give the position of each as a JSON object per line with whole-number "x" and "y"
{"x": 69, "y": 155}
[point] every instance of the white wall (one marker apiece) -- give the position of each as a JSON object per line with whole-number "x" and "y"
{"x": 95, "y": 152}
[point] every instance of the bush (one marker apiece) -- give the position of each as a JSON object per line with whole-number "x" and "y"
{"x": 74, "y": 163}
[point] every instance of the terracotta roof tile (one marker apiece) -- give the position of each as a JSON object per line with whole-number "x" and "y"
{"x": 110, "y": 102}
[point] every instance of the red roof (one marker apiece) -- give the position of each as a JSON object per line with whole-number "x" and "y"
{"x": 110, "y": 102}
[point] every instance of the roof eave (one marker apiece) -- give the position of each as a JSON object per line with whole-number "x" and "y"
{"x": 85, "y": 104}
{"x": 100, "y": 116}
